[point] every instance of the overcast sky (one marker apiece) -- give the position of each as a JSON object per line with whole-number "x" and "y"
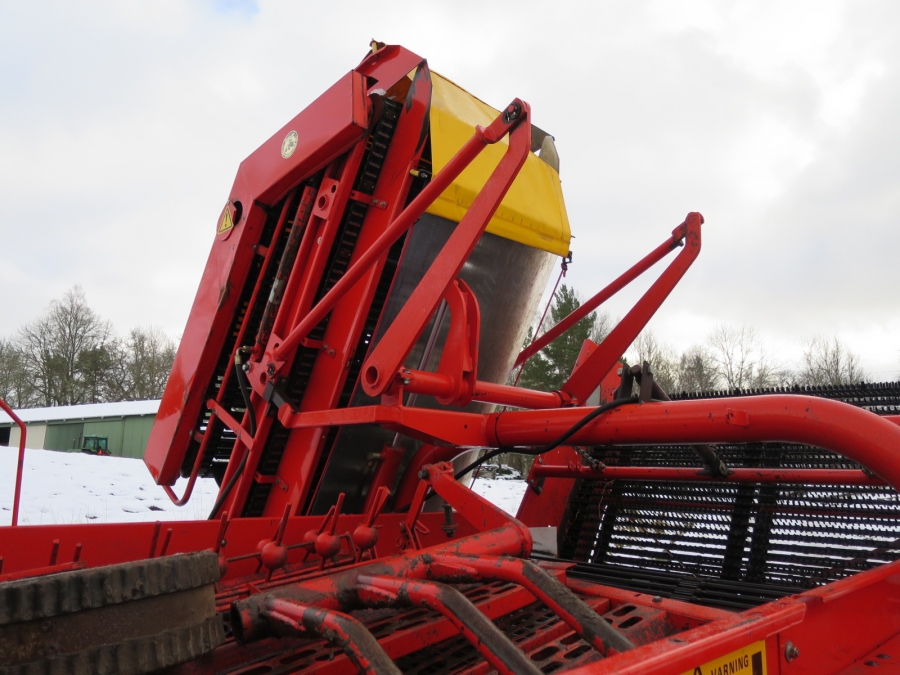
{"x": 122, "y": 125}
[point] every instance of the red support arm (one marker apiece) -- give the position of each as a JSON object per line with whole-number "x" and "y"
{"x": 21, "y": 460}
{"x": 633, "y": 273}
{"x": 588, "y": 374}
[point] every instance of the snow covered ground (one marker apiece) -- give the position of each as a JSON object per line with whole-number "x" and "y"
{"x": 72, "y": 487}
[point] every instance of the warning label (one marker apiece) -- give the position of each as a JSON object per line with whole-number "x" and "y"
{"x": 749, "y": 660}
{"x": 226, "y": 223}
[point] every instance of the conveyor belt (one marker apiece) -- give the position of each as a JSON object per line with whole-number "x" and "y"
{"x": 339, "y": 259}
{"x": 725, "y": 544}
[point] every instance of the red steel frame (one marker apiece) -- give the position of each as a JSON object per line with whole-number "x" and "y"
{"x": 290, "y": 573}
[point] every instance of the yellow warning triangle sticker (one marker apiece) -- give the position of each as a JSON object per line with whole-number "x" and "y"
{"x": 226, "y": 223}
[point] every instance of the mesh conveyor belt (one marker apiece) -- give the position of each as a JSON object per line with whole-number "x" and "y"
{"x": 732, "y": 545}
{"x": 882, "y": 398}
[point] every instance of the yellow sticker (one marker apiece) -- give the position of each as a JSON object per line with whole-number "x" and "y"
{"x": 227, "y": 222}
{"x": 749, "y": 660}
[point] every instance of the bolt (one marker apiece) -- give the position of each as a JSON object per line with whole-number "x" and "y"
{"x": 224, "y": 543}
{"x": 657, "y": 598}
{"x": 406, "y": 381}
{"x": 423, "y": 474}
{"x": 791, "y": 652}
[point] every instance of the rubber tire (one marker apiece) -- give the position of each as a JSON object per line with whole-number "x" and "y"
{"x": 126, "y": 619}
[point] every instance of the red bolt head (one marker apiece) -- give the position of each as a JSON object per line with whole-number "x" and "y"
{"x": 273, "y": 556}
{"x": 365, "y": 537}
{"x": 327, "y": 545}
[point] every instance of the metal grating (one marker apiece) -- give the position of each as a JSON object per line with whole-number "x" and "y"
{"x": 792, "y": 535}
{"x": 730, "y": 545}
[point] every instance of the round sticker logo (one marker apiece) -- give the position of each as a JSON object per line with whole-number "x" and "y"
{"x": 289, "y": 144}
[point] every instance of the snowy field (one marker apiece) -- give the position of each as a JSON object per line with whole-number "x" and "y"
{"x": 72, "y": 487}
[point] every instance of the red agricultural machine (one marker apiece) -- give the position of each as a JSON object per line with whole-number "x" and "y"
{"x": 345, "y": 366}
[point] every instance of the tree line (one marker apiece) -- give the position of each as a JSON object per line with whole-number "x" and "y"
{"x": 70, "y": 355}
{"x": 730, "y": 358}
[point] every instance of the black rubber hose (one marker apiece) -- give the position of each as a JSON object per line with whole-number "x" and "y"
{"x": 596, "y": 412}
{"x": 229, "y": 487}
{"x": 244, "y": 386}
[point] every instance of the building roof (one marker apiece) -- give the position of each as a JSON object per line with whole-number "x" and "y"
{"x": 82, "y": 412}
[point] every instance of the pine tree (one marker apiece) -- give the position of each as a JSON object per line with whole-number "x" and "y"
{"x": 551, "y": 367}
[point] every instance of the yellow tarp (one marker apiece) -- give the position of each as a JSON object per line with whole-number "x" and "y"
{"x": 533, "y": 211}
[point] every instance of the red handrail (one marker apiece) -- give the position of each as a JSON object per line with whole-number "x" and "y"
{"x": 18, "y": 493}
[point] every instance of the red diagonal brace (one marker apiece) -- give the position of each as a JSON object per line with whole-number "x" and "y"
{"x": 586, "y": 377}
{"x": 387, "y": 357}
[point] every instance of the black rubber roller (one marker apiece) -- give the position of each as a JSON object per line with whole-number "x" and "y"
{"x": 125, "y": 619}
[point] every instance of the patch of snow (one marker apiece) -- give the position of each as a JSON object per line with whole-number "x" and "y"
{"x": 507, "y": 494}
{"x": 75, "y": 487}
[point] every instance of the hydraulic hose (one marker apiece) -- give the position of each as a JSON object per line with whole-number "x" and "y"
{"x": 596, "y": 412}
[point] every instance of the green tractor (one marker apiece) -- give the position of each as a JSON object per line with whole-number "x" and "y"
{"x": 95, "y": 445}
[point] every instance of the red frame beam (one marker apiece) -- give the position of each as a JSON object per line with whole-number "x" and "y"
{"x": 20, "y": 462}
{"x": 651, "y": 473}
{"x": 855, "y": 433}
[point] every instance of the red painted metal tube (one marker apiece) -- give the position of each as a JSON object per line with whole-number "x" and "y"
{"x": 350, "y": 635}
{"x": 549, "y": 590}
{"x": 589, "y": 306}
{"x": 496, "y": 648}
{"x": 792, "y": 476}
{"x": 440, "y": 385}
{"x": 855, "y": 433}
{"x": 498, "y": 535}
{"x": 330, "y": 591}
{"x": 403, "y": 222}
{"x": 21, "y": 461}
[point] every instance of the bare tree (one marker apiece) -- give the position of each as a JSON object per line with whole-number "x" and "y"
{"x": 740, "y": 359}
{"x": 603, "y": 326}
{"x": 829, "y": 362}
{"x": 697, "y": 371}
{"x": 15, "y": 386}
{"x": 149, "y": 354}
{"x": 661, "y": 358}
{"x": 66, "y": 352}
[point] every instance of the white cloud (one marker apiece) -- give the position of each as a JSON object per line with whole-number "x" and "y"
{"x": 122, "y": 126}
